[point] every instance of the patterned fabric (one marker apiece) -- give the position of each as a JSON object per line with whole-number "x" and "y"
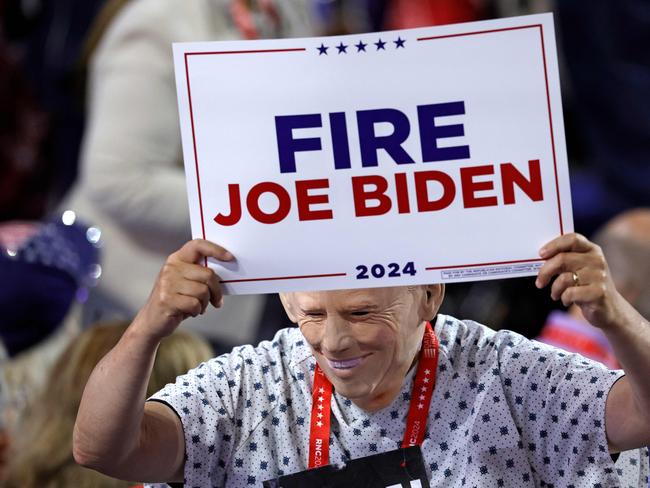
{"x": 506, "y": 411}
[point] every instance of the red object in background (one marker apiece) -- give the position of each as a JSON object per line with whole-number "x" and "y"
{"x": 571, "y": 334}
{"x": 404, "y": 14}
{"x": 4, "y": 451}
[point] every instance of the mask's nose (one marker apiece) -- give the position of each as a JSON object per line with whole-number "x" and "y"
{"x": 336, "y": 336}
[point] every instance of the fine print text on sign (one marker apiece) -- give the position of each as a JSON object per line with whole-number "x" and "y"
{"x": 404, "y": 157}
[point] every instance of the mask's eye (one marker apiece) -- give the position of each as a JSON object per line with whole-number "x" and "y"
{"x": 314, "y": 314}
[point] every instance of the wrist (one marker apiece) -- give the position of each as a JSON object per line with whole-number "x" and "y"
{"x": 142, "y": 333}
{"x": 625, "y": 317}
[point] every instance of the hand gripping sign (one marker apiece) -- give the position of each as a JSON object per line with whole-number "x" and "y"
{"x": 413, "y": 156}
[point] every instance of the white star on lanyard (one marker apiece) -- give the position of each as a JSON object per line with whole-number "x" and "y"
{"x": 320, "y": 407}
{"x": 320, "y": 398}
{"x": 422, "y": 397}
{"x": 426, "y": 371}
{"x": 420, "y": 406}
{"x": 424, "y": 388}
{"x": 321, "y": 390}
{"x": 319, "y": 423}
{"x": 319, "y": 415}
{"x": 426, "y": 380}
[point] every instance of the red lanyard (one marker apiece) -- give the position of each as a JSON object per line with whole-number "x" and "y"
{"x": 425, "y": 380}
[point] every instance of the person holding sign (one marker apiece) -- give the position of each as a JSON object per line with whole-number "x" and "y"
{"x": 374, "y": 384}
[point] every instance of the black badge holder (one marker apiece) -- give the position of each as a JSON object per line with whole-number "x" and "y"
{"x": 401, "y": 468}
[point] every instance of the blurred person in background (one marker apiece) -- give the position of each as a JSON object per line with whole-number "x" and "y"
{"x": 46, "y": 269}
{"x": 41, "y": 451}
{"x": 625, "y": 241}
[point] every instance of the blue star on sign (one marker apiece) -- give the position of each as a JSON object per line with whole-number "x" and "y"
{"x": 342, "y": 48}
{"x": 380, "y": 45}
{"x": 399, "y": 43}
{"x": 361, "y": 46}
{"x": 322, "y": 49}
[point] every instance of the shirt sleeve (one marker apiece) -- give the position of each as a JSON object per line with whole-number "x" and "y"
{"x": 557, "y": 400}
{"x": 220, "y": 404}
{"x": 204, "y": 400}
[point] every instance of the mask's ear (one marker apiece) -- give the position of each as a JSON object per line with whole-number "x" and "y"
{"x": 285, "y": 298}
{"x": 431, "y": 301}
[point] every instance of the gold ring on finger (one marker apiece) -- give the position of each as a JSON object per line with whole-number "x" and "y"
{"x": 576, "y": 279}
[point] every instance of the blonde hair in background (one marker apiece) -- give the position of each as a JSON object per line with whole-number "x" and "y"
{"x": 176, "y": 355}
{"x": 41, "y": 449}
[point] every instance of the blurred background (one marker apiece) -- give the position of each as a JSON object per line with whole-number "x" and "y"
{"x": 92, "y": 191}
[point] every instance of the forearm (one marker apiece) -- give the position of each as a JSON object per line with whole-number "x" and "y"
{"x": 630, "y": 339}
{"x": 631, "y": 343}
{"x": 115, "y": 432}
{"x": 109, "y": 422}
{"x": 580, "y": 275}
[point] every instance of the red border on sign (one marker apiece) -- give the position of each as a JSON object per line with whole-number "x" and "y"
{"x": 420, "y": 39}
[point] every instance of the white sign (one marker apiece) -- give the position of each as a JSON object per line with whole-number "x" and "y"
{"x": 392, "y": 158}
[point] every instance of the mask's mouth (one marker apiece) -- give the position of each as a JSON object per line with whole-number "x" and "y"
{"x": 345, "y": 363}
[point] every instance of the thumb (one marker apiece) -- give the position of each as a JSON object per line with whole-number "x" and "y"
{"x": 197, "y": 249}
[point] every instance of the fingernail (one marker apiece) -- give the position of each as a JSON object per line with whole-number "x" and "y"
{"x": 228, "y": 256}
{"x": 537, "y": 284}
{"x": 543, "y": 251}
